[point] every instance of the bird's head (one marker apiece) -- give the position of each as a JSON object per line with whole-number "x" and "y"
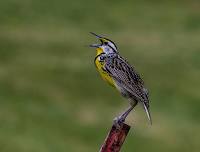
{"x": 107, "y": 46}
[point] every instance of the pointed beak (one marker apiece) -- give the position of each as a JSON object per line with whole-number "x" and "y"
{"x": 96, "y": 45}
{"x": 95, "y": 35}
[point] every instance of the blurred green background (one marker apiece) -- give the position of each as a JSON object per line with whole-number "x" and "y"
{"x": 53, "y": 100}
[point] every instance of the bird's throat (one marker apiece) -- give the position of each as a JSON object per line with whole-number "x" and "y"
{"x": 99, "y": 51}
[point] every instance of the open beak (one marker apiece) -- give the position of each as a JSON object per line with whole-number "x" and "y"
{"x": 96, "y": 45}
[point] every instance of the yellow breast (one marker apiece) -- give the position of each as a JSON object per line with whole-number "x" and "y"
{"x": 99, "y": 65}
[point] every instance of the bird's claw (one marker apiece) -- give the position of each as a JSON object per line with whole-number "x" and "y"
{"x": 118, "y": 121}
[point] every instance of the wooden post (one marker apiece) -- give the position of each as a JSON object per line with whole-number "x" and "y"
{"x": 115, "y": 138}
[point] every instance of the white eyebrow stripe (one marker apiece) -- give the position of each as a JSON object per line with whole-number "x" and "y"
{"x": 112, "y": 48}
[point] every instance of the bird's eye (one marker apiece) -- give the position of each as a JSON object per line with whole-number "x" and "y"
{"x": 105, "y": 43}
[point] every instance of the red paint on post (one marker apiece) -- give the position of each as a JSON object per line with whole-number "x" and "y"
{"x": 115, "y": 138}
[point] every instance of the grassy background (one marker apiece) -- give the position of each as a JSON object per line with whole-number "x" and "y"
{"x": 51, "y": 97}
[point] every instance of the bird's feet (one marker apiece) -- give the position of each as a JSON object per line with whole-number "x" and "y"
{"x": 118, "y": 121}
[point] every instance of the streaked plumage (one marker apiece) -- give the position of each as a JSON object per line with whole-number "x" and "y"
{"x": 120, "y": 74}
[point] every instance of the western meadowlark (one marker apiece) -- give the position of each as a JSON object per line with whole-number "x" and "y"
{"x": 115, "y": 70}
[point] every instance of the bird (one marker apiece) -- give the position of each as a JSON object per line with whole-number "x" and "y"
{"x": 117, "y": 72}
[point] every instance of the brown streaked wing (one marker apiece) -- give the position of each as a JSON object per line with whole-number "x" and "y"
{"x": 126, "y": 77}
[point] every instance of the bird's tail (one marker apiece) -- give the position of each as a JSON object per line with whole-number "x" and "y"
{"x": 147, "y": 112}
